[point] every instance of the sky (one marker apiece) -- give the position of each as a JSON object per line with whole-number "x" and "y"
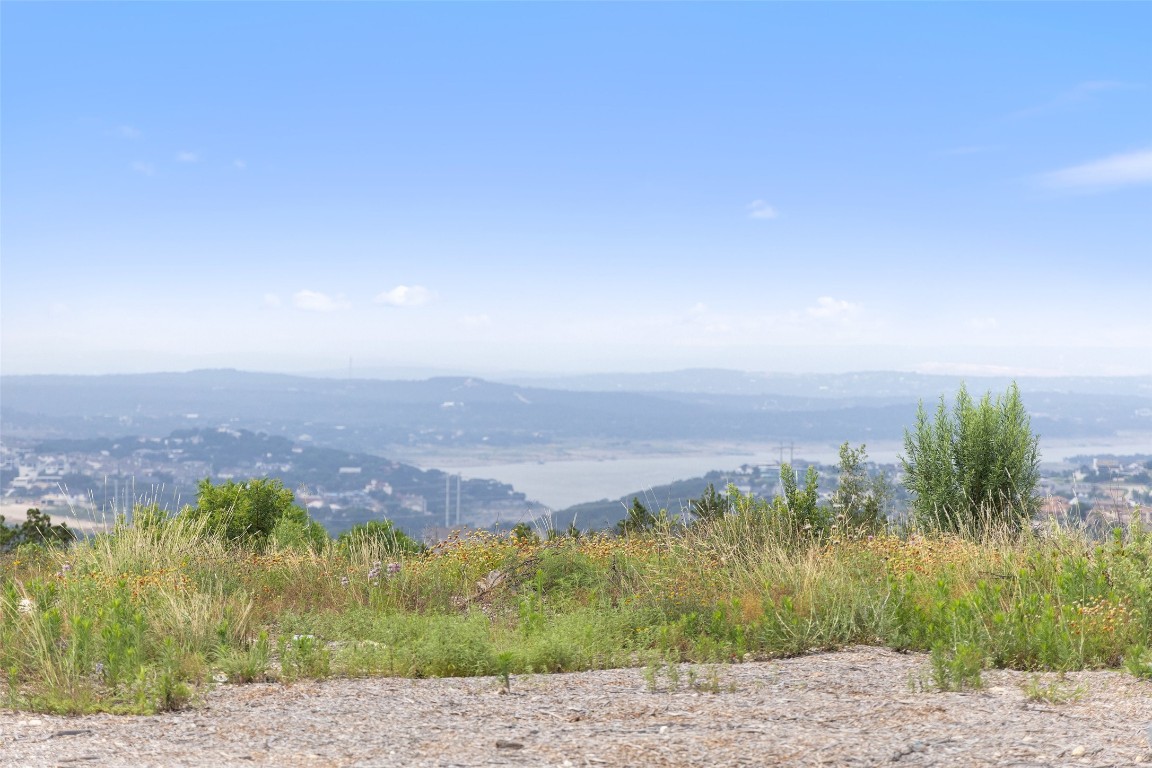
{"x": 413, "y": 188}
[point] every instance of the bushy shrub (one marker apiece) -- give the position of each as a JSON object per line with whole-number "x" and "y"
{"x": 973, "y": 469}
{"x": 380, "y": 536}
{"x": 639, "y": 519}
{"x": 295, "y": 529}
{"x": 710, "y": 506}
{"x": 248, "y": 512}
{"x": 803, "y": 510}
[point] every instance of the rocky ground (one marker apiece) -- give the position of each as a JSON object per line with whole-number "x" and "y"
{"x": 858, "y": 707}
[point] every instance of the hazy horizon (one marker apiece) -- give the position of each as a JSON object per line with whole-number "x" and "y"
{"x": 557, "y": 189}
{"x": 384, "y": 372}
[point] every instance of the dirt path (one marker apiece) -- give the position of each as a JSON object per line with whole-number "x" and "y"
{"x": 858, "y": 707}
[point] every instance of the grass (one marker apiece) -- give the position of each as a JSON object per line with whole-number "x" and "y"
{"x": 1052, "y": 690}
{"x": 145, "y": 620}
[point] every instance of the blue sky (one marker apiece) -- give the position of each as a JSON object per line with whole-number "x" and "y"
{"x": 576, "y": 187}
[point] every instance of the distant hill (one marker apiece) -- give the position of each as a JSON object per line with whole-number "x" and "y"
{"x": 862, "y": 385}
{"x": 605, "y": 513}
{"x": 371, "y": 415}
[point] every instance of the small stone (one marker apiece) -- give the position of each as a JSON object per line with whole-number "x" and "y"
{"x": 1077, "y": 751}
{"x": 918, "y": 746}
{"x": 502, "y": 744}
{"x": 663, "y": 730}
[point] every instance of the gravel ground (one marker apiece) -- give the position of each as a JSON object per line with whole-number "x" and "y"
{"x": 857, "y": 707}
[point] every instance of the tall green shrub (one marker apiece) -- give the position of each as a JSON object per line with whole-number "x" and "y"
{"x": 803, "y": 504}
{"x": 973, "y": 468}
{"x": 247, "y": 511}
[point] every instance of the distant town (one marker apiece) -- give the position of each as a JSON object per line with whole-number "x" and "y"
{"x": 339, "y": 489}
{"x": 98, "y": 478}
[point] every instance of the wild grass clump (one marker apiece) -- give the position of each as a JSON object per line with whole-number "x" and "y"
{"x": 147, "y": 617}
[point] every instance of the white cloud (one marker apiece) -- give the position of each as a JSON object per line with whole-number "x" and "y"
{"x": 759, "y": 209}
{"x": 828, "y": 308}
{"x": 144, "y": 169}
{"x": 405, "y": 296}
{"x": 314, "y": 301}
{"x": 239, "y": 164}
{"x": 1130, "y": 169}
{"x": 185, "y": 156}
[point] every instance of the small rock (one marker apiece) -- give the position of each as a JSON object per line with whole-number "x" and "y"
{"x": 918, "y": 746}
{"x": 663, "y": 730}
{"x": 1077, "y": 751}
{"x": 502, "y": 744}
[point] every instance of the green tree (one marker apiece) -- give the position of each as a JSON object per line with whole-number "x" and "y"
{"x": 381, "y": 536}
{"x": 974, "y": 468}
{"x": 37, "y": 528}
{"x": 638, "y": 519}
{"x": 710, "y": 506}
{"x": 246, "y": 512}
{"x": 860, "y": 502}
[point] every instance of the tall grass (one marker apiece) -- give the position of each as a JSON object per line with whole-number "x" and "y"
{"x": 146, "y": 617}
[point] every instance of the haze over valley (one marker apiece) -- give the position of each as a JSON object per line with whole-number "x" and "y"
{"x": 434, "y": 453}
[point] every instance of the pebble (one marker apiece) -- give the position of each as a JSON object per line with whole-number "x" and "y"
{"x": 1077, "y": 751}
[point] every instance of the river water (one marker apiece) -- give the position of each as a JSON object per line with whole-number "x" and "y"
{"x": 560, "y": 483}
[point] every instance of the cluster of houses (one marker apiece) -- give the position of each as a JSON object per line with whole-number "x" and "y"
{"x": 1100, "y": 492}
